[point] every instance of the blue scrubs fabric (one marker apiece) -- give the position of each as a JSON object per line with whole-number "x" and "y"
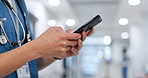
{"x": 10, "y": 31}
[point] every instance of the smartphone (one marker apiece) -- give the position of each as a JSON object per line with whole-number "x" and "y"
{"x": 90, "y": 24}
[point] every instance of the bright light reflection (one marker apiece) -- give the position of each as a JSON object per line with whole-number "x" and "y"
{"x": 107, "y": 40}
{"x": 54, "y": 2}
{"x": 124, "y": 35}
{"x": 123, "y": 21}
{"x": 51, "y": 22}
{"x": 134, "y": 2}
{"x": 70, "y": 22}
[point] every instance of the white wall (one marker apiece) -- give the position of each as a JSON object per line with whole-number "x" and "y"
{"x": 139, "y": 48}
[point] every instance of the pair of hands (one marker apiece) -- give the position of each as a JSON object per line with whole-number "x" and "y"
{"x": 56, "y": 43}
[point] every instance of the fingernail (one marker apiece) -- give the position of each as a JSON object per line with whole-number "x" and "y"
{"x": 80, "y": 41}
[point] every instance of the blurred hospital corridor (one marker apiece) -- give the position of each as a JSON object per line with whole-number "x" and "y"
{"x": 117, "y": 49}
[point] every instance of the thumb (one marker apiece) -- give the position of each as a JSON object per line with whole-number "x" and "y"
{"x": 69, "y": 31}
{"x": 57, "y": 29}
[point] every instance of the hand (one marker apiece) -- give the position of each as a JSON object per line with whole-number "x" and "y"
{"x": 86, "y": 34}
{"x": 74, "y": 51}
{"x": 55, "y": 43}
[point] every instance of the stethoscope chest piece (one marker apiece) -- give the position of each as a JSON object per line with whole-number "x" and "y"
{"x": 3, "y": 39}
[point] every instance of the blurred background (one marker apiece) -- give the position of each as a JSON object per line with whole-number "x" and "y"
{"x": 117, "y": 49}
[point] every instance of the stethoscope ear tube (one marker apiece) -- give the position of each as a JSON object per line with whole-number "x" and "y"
{"x": 8, "y": 4}
{"x": 26, "y": 35}
{"x": 26, "y": 23}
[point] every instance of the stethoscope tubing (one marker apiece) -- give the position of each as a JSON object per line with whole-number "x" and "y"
{"x": 3, "y": 31}
{"x": 25, "y": 19}
{"x": 21, "y": 26}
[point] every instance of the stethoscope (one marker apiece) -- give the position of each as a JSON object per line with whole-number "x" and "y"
{"x": 4, "y": 37}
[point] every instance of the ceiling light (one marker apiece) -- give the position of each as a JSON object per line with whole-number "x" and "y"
{"x": 123, "y": 21}
{"x": 134, "y": 2}
{"x": 51, "y": 22}
{"x": 124, "y": 35}
{"x": 70, "y": 22}
{"x": 54, "y": 2}
{"x": 107, "y": 40}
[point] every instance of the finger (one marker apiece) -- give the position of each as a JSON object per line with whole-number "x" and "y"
{"x": 68, "y": 48}
{"x": 73, "y": 36}
{"x": 61, "y": 52}
{"x": 72, "y": 43}
{"x": 64, "y": 49}
{"x": 83, "y": 36}
{"x": 79, "y": 44}
{"x": 56, "y": 29}
{"x": 69, "y": 31}
{"x": 90, "y": 32}
{"x": 70, "y": 53}
{"x": 74, "y": 51}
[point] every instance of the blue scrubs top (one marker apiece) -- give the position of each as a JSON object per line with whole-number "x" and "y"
{"x": 10, "y": 31}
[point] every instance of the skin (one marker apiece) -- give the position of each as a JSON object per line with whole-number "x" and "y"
{"x": 44, "y": 62}
{"x": 50, "y": 44}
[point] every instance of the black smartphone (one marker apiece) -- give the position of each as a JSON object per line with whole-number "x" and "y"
{"x": 90, "y": 24}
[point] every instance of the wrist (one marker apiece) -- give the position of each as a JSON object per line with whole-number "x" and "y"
{"x": 30, "y": 50}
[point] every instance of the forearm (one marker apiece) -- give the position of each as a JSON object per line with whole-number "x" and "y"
{"x": 14, "y": 59}
{"x": 44, "y": 62}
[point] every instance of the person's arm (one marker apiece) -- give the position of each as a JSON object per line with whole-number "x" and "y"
{"x": 14, "y": 59}
{"x": 50, "y": 44}
{"x": 44, "y": 62}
